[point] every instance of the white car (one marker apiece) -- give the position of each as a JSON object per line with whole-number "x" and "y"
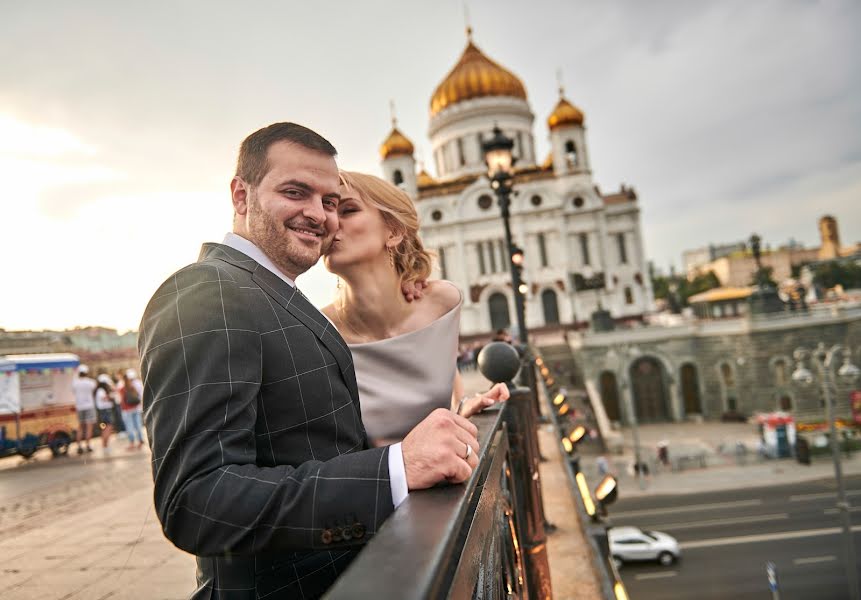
{"x": 634, "y": 544}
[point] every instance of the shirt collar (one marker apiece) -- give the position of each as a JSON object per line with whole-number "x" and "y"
{"x": 248, "y": 248}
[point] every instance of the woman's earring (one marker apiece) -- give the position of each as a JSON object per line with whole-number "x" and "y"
{"x": 338, "y": 285}
{"x": 391, "y": 256}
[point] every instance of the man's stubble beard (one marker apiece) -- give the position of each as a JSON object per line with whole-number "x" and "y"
{"x": 273, "y": 238}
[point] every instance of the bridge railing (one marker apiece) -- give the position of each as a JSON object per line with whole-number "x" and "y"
{"x": 482, "y": 539}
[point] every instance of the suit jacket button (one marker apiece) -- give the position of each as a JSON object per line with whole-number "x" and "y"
{"x": 337, "y": 534}
{"x": 327, "y": 536}
{"x": 358, "y": 530}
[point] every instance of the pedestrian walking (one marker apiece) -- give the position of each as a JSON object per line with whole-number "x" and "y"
{"x": 603, "y": 465}
{"x": 105, "y": 406}
{"x": 130, "y": 403}
{"x": 84, "y": 388}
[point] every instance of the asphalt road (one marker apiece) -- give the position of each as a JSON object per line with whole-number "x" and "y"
{"x": 727, "y": 538}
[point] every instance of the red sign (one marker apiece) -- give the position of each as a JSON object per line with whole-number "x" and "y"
{"x": 855, "y": 402}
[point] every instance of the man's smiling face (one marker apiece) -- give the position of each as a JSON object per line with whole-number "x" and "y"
{"x": 293, "y": 214}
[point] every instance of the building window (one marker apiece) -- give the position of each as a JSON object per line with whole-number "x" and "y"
{"x": 727, "y": 375}
{"x": 397, "y": 177}
{"x": 570, "y": 153}
{"x": 498, "y": 305}
{"x": 542, "y": 249}
{"x": 623, "y": 250}
{"x": 443, "y": 271}
{"x": 485, "y": 201}
{"x": 584, "y": 248}
{"x": 550, "y": 306}
{"x": 578, "y": 202}
{"x": 491, "y": 251}
{"x": 436, "y": 215}
{"x": 438, "y": 158}
{"x": 460, "y": 157}
{"x": 535, "y": 200}
{"x": 629, "y": 296}
{"x": 780, "y": 373}
{"x": 519, "y": 149}
{"x": 503, "y": 260}
{"x": 479, "y": 248}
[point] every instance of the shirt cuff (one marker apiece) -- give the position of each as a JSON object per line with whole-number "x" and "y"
{"x": 397, "y": 475}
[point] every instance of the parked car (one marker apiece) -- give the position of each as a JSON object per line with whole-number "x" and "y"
{"x": 629, "y": 544}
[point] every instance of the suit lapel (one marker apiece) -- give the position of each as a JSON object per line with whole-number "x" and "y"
{"x": 292, "y": 300}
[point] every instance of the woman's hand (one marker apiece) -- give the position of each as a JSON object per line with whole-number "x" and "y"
{"x": 478, "y": 402}
{"x": 415, "y": 290}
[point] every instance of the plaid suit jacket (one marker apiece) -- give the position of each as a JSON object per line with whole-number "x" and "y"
{"x": 260, "y": 459}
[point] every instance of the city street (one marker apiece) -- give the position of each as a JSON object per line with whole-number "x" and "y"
{"x": 727, "y": 537}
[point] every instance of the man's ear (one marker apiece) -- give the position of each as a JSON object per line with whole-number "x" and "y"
{"x": 239, "y": 194}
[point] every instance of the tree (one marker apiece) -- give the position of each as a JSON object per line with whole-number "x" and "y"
{"x": 832, "y": 273}
{"x": 764, "y": 278}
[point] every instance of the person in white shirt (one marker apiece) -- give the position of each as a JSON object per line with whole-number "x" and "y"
{"x": 84, "y": 388}
{"x": 105, "y": 406}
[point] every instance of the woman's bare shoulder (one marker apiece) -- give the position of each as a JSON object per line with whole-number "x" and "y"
{"x": 443, "y": 294}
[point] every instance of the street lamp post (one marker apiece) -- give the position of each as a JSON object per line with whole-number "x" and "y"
{"x": 500, "y": 163}
{"x": 824, "y": 359}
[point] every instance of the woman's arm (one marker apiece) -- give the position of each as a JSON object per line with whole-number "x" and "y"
{"x": 456, "y": 391}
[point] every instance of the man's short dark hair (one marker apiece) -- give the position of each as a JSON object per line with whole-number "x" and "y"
{"x": 252, "y": 165}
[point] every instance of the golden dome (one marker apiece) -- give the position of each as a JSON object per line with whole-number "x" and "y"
{"x": 396, "y": 144}
{"x": 565, "y": 113}
{"x": 423, "y": 179}
{"x": 475, "y": 76}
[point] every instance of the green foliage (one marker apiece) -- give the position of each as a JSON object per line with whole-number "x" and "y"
{"x": 685, "y": 288}
{"x": 847, "y": 274}
{"x": 764, "y": 277}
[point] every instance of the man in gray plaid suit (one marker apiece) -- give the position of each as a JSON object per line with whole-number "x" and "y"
{"x": 261, "y": 463}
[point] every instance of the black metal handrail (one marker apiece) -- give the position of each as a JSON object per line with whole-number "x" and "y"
{"x": 481, "y": 539}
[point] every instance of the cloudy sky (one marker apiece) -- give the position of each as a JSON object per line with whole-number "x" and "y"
{"x": 119, "y": 121}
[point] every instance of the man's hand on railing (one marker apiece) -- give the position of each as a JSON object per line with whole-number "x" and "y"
{"x": 443, "y": 447}
{"x": 473, "y": 405}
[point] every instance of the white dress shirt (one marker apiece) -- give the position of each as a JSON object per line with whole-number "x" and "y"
{"x": 397, "y": 470}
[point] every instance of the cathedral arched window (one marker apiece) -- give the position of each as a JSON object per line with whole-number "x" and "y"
{"x": 629, "y": 296}
{"x": 499, "y": 317}
{"x": 397, "y": 177}
{"x": 570, "y": 153}
{"x": 550, "y": 306}
{"x": 461, "y": 158}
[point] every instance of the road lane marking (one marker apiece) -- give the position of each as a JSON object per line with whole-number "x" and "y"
{"x": 655, "y": 575}
{"x": 713, "y": 522}
{"x": 821, "y": 496}
{"x": 812, "y": 560}
{"x": 834, "y": 511}
{"x": 765, "y": 537}
{"x": 691, "y": 508}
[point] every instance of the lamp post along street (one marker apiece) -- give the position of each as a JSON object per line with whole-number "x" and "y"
{"x": 824, "y": 360}
{"x": 500, "y": 162}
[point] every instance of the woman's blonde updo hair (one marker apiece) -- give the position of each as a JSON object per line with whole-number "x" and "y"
{"x": 412, "y": 261}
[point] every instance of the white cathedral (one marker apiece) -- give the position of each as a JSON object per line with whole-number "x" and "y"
{"x": 583, "y": 249}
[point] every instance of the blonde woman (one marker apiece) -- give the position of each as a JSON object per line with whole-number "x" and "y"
{"x": 405, "y": 353}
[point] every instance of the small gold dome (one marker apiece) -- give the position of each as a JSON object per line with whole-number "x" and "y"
{"x": 475, "y": 76}
{"x": 396, "y": 144}
{"x": 423, "y": 179}
{"x": 565, "y": 113}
